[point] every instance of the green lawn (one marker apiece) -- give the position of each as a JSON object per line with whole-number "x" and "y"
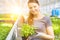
{"x": 56, "y": 27}
{"x": 4, "y": 30}
{"x": 6, "y": 23}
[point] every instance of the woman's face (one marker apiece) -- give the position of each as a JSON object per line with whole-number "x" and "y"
{"x": 34, "y": 8}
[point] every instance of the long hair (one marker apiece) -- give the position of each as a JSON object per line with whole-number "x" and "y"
{"x": 30, "y": 18}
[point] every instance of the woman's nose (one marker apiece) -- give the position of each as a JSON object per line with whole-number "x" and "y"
{"x": 33, "y": 9}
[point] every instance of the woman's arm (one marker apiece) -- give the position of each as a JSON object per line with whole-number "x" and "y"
{"x": 49, "y": 35}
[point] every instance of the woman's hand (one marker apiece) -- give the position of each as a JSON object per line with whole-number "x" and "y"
{"x": 43, "y": 35}
{"x": 39, "y": 34}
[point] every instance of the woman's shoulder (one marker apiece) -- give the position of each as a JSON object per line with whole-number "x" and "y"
{"x": 46, "y": 18}
{"x": 24, "y": 17}
{"x": 21, "y": 16}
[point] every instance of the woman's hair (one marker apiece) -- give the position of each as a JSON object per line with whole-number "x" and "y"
{"x": 33, "y": 1}
{"x": 30, "y": 18}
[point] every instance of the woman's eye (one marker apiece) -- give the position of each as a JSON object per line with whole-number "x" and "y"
{"x": 34, "y": 6}
{"x": 30, "y": 7}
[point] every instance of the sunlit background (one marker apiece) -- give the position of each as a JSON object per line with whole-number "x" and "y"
{"x": 10, "y": 11}
{"x": 17, "y": 6}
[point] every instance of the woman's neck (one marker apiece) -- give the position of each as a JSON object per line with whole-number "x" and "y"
{"x": 38, "y": 16}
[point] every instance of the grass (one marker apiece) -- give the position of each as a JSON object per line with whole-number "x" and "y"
{"x": 4, "y": 30}
{"x": 6, "y": 25}
{"x": 56, "y": 27}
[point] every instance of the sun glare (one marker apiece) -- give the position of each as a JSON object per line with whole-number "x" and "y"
{"x": 16, "y": 10}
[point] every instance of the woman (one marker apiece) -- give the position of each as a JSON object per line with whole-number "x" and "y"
{"x": 42, "y": 23}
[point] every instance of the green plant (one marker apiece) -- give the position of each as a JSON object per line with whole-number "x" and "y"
{"x": 27, "y": 30}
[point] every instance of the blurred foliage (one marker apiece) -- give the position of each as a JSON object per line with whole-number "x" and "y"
{"x": 7, "y": 16}
{"x": 56, "y": 27}
{"x": 6, "y": 24}
{"x": 4, "y": 30}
